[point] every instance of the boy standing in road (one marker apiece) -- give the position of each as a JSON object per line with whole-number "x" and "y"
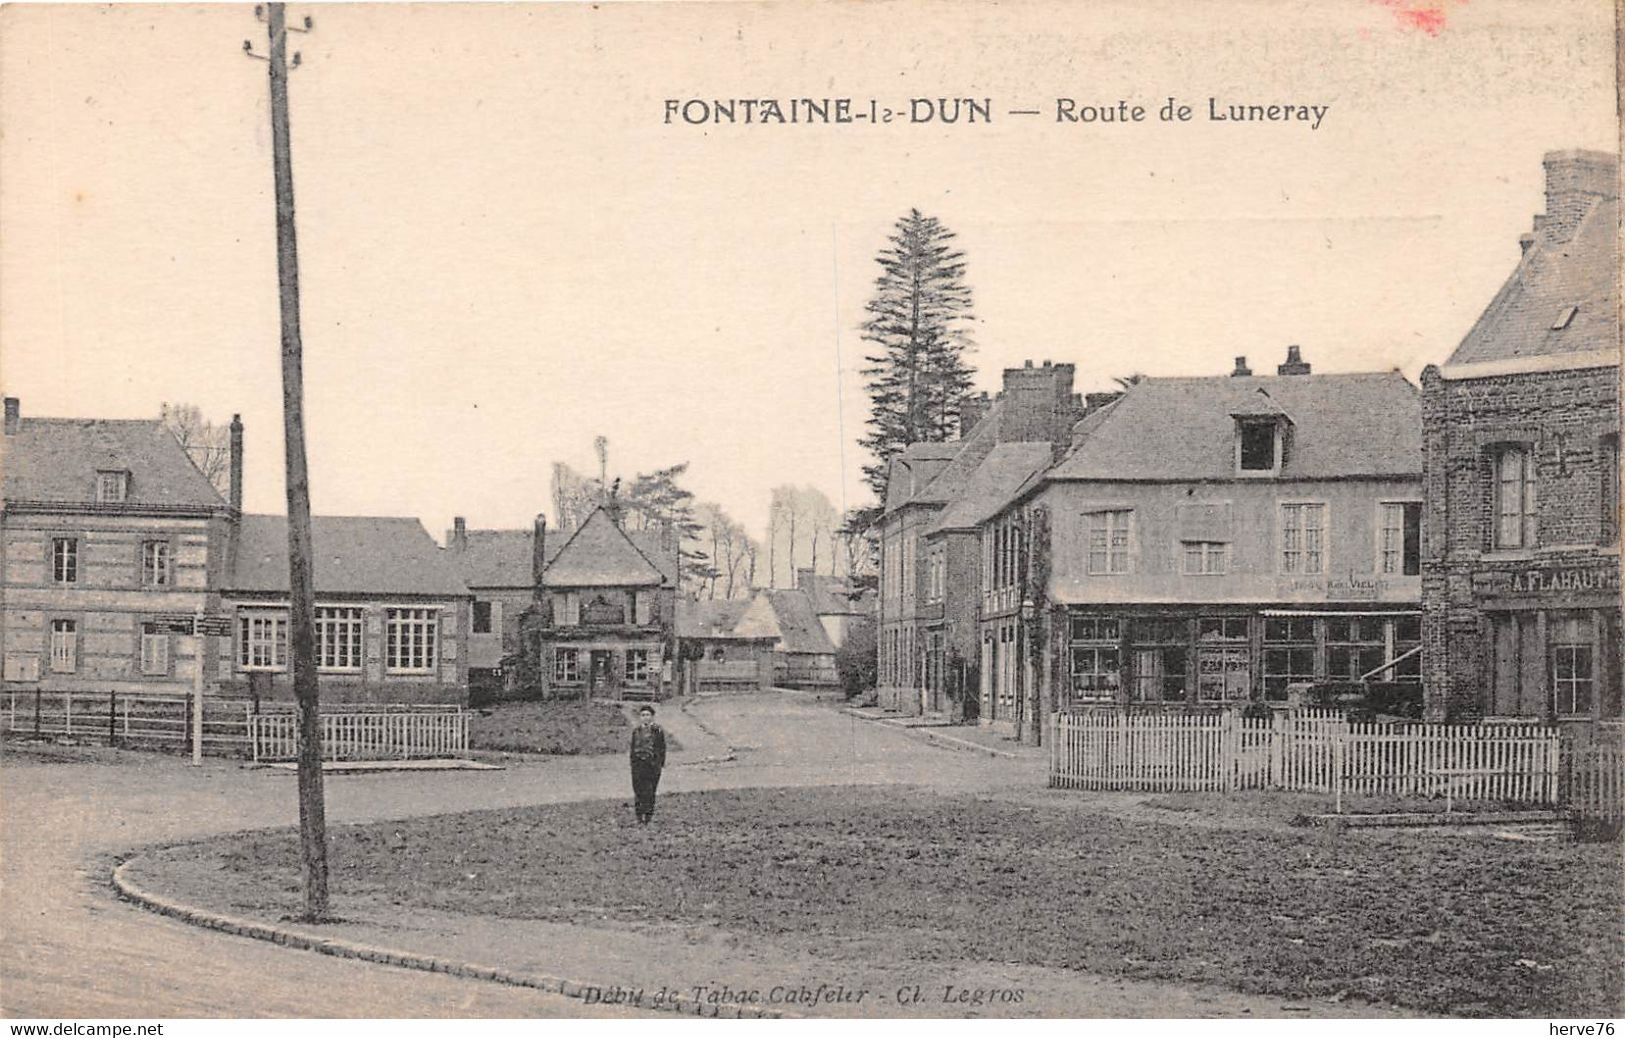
{"x": 648, "y": 758}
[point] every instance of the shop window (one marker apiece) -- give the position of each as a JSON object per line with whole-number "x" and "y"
{"x": 1574, "y": 674}
{"x": 1289, "y": 654}
{"x": 1223, "y": 659}
{"x": 1355, "y": 645}
{"x": 1159, "y": 652}
{"x": 1095, "y": 658}
{"x": 1401, "y": 538}
{"x": 1096, "y": 629}
{"x": 1515, "y": 496}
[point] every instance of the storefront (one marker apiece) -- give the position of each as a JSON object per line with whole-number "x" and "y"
{"x": 1218, "y": 657}
{"x": 1551, "y": 637}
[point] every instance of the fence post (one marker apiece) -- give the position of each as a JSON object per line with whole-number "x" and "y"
{"x": 112, "y": 718}
{"x": 1339, "y": 755}
{"x": 1230, "y": 749}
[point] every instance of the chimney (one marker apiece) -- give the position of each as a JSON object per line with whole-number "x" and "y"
{"x": 236, "y": 461}
{"x": 1038, "y": 404}
{"x": 1295, "y": 364}
{"x": 1575, "y": 180}
{"x": 538, "y": 555}
{"x": 14, "y": 415}
{"x": 459, "y": 534}
{"x": 1242, "y": 370}
{"x": 972, "y": 409}
{"x": 1093, "y": 402}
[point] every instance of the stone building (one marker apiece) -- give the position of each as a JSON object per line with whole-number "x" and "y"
{"x": 105, "y": 525}
{"x": 496, "y": 566}
{"x": 1521, "y": 579}
{"x": 1207, "y": 542}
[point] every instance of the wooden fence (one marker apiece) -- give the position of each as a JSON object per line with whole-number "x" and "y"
{"x": 364, "y": 735}
{"x": 231, "y": 726}
{"x": 1322, "y": 753}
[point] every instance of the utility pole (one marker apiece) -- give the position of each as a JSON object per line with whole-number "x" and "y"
{"x": 301, "y": 586}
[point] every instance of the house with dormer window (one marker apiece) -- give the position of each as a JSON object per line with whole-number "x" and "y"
{"x": 1206, "y": 542}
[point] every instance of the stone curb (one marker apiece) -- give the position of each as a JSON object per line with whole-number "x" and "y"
{"x": 930, "y": 734}
{"x": 132, "y": 891}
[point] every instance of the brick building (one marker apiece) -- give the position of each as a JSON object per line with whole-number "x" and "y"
{"x": 1208, "y": 542}
{"x": 1521, "y": 580}
{"x": 929, "y": 574}
{"x": 104, "y": 525}
{"x": 603, "y": 621}
{"x": 497, "y": 567}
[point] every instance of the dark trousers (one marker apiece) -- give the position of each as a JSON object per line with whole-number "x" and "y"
{"x": 645, "y": 777}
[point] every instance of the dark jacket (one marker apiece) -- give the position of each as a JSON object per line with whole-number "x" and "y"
{"x": 649, "y": 745}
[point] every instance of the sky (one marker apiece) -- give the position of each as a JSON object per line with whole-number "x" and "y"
{"x": 506, "y": 250}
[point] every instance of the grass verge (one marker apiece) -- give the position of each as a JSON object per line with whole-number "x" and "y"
{"x": 880, "y": 876}
{"x": 566, "y": 727}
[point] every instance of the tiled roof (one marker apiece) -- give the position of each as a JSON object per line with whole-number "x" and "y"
{"x": 56, "y": 460}
{"x": 497, "y": 558}
{"x": 601, "y": 554}
{"x": 1566, "y": 265}
{"x": 362, "y": 555}
{"x": 829, "y": 594}
{"x": 1184, "y": 429}
{"x": 1000, "y": 475}
{"x": 719, "y": 618}
{"x": 798, "y": 626}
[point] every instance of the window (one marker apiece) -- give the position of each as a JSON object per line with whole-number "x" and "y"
{"x": 338, "y": 637}
{"x": 1303, "y": 538}
{"x": 566, "y": 665}
{"x": 1405, "y": 636}
{"x": 566, "y": 608}
{"x": 1109, "y": 540}
{"x": 643, "y": 607}
{"x": 1574, "y": 676}
{"x": 1206, "y": 557}
{"x": 262, "y": 640}
{"x": 154, "y": 652}
{"x": 1289, "y": 654}
{"x": 936, "y": 568}
{"x": 1159, "y": 651}
{"x": 482, "y": 618}
{"x": 1564, "y": 318}
{"x": 1223, "y": 659}
{"x": 1096, "y": 660}
{"x": 155, "y": 569}
{"x": 1608, "y": 464}
{"x": 64, "y": 646}
{"x": 1401, "y": 532}
{"x": 65, "y": 560}
{"x": 411, "y": 638}
{"x": 1256, "y": 446}
{"x": 112, "y": 487}
{"x": 1514, "y": 469}
{"x": 1355, "y": 646}
{"x": 637, "y": 666}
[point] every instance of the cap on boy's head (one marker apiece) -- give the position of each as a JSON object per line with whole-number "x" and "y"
{"x": 646, "y": 709}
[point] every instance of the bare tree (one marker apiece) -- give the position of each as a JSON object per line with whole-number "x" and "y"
{"x": 800, "y": 517}
{"x": 207, "y": 444}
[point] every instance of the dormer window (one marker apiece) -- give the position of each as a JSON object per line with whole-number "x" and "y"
{"x": 112, "y": 486}
{"x": 1260, "y": 445}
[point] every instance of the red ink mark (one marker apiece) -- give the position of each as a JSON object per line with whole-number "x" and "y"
{"x": 1427, "y": 16}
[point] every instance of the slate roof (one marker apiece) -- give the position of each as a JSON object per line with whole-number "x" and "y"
{"x": 498, "y": 558}
{"x": 829, "y": 594}
{"x": 1005, "y": 470}
{"x": 950, "y": 481}
{"x": 56, "y": 460}
{"x": 362, "y": 555}
{"x": 1184, "y": 429}
{"x": 1565, "y": 266}
{"x": 798, "y": 626}
{"x": 601, "y": 554}
{"x": 913, "y": 469}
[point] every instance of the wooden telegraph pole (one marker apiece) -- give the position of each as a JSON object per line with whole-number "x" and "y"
{"x": 301, "y": 587}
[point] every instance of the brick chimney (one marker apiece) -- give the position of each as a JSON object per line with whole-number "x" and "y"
{"x": 14, "y": 415}
{"x": 459, "y": 534}
{"x": 538, "y": 555}
{"x": 1242, "y": 370}
{"x": 1093, "y": 402}
{"x": 1038, "y": 404}
{"x": 1295, "y": 364}
{"x": 235, "y": 497}
{"x": 1575, "y": 180}
{"x": 972, "y": 409}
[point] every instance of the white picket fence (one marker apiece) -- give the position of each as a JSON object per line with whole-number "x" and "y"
{"x": 1318, "y": 753}
{"x": 364, "y": 735}
{"x": 232, "y": 726}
